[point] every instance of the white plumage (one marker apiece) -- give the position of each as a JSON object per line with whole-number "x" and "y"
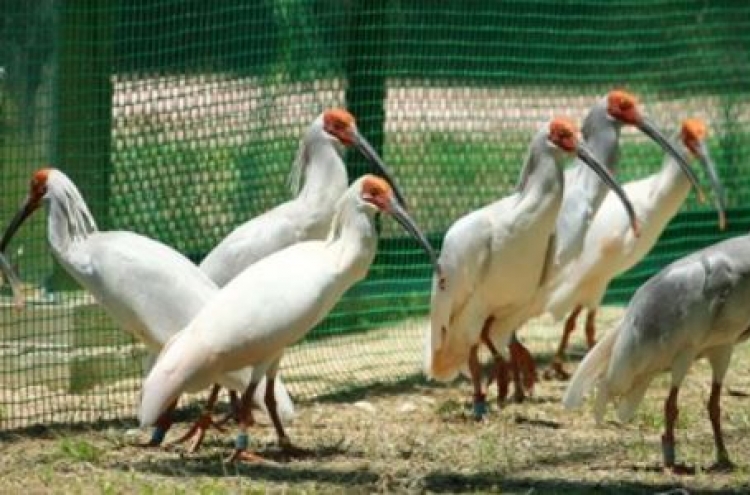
{"x": 698, "y": 306}
{"x": 495, "y": 260}
{"x": 273, "y": 304}
{"x": 610, "y": 248}
{"x": 151, "y": 290}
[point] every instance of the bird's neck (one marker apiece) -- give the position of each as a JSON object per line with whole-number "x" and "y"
{"x": 671, "y": 186}
{"x": 325, "y": 175}
{"x": 604, "y": 145}
{"x": 69, "y": 222}
{"x": 353, "y": 240}
{"x": 542, "y": 178}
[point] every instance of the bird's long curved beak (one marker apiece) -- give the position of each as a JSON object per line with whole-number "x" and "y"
{"x": 719, "y": 194}
{"x": 649, "y": 128}
{"x": 13, "y": 280}
{"x": 28, "y": 207}
{"x": 398, "y": 212}
{"x": 589, "y": 159}
{"x": 364, "y": 147}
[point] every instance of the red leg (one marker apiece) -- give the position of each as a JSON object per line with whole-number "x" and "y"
{"x": 524, "y": 364}
{"x": 591, "y": 328}
{"x": 501, "y": 368}
{"x": 556, "y": 369}
{"x": 714, "y": 413}
{"x": 671, "y": 412}
{"x": 204, "y": 422}
{"x": 163, "y": 424}
{"x": 234, "y": 405}
{"x": 475, "y": 369}
{"x": 241, "y": 443}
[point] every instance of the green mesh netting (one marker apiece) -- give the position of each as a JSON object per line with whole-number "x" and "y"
{"x": 180, "y": 119}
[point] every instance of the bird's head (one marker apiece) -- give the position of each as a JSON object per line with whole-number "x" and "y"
{"x": 623, "y": 107}
{"x": 693, "y": 134}
{"x": 378, "y": 194}
{"x": 38, "y": 188}
{"x": 340, "y": 125}
{"x": 563, "y": 134}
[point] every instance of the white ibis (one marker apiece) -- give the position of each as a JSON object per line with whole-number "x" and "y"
{"x": 273, "y": 304}
{"x": 584, "y": 191}
{"x": 698, "y": 306}
{"x": 496, "y": 259}
{"x": 15, "y": 283}
{"x": 150, "y": 289}
{"x": 318, "y": 179}
{"x": 610, "y": 248}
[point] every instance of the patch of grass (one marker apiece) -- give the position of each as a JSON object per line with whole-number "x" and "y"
{"x": 79, "y": 450}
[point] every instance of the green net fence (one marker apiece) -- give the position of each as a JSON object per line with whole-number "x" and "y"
{"x": 180, "y": 119}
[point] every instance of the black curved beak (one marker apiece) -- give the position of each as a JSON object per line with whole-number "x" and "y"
{"x": 649, "y": 128}
{"x": 28, "y": 207}
{"x": 13, "y": 280}
{"x": 372, "y": 156}
{"x": 720, "y": 199}
{"x": 589, "y": 159}
{"x": 399, "y": 213}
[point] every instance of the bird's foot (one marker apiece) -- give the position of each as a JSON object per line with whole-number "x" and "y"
{"x": 737, "y": 393}
{"x": 524, "y": 361}
{"x": 556, "y": 371}
{"x": 679, "y": 469}
{"x": 479, "y": 407}
{"x": 242, "y": 455}
{"x": 292, "y": 450}
{"x": 723, "y": 465}
{"x": 198, "y": 432}
{"x": 157, "y": 437}
{"x": 518, "y": 395}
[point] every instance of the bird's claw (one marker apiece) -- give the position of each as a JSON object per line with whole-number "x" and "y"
{"x": 292, "y": 450}
{"x": 679, "y": 470}
{"x": 198, "y": 430}
{"x": 556, "y": 371}
{"x": 151, "y": 444}
{"x": 242, "y": 455}
{"x": 723, "y": 465}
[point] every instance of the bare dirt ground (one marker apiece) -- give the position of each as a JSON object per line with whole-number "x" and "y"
{"x": 409, "y": 436}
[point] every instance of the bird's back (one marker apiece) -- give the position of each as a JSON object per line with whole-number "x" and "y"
{"x": 270, "y": 305}
{"x": 287, "y": 224}
{"x": 149, "y": 288}
{"x": 694, "y": 304}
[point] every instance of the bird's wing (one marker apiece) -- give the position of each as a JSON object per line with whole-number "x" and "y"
{"x": 248, "y": 323}
{"x": 252, "y": 241}
{"x": 671, "y": 315}
{"x": 464, "y": 254}
{"x": 147, "y": 287}
{"x": 184, "y": 364}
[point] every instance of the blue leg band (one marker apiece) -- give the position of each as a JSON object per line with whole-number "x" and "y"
{"x": 241, "y": 441}
{"x": 157, "y": 437}
{"x": 667, "y": 449}
{"x": 480, "y": 407}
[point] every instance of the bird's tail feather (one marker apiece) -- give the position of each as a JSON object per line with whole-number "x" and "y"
{"x": 178, "y": 368}
{"x": 630, "y": 401}
{"x": 591, "y": 369}
{"x": 440, "y": 314}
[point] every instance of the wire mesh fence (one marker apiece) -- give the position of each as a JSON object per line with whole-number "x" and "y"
{"x": 179, "y": 120}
